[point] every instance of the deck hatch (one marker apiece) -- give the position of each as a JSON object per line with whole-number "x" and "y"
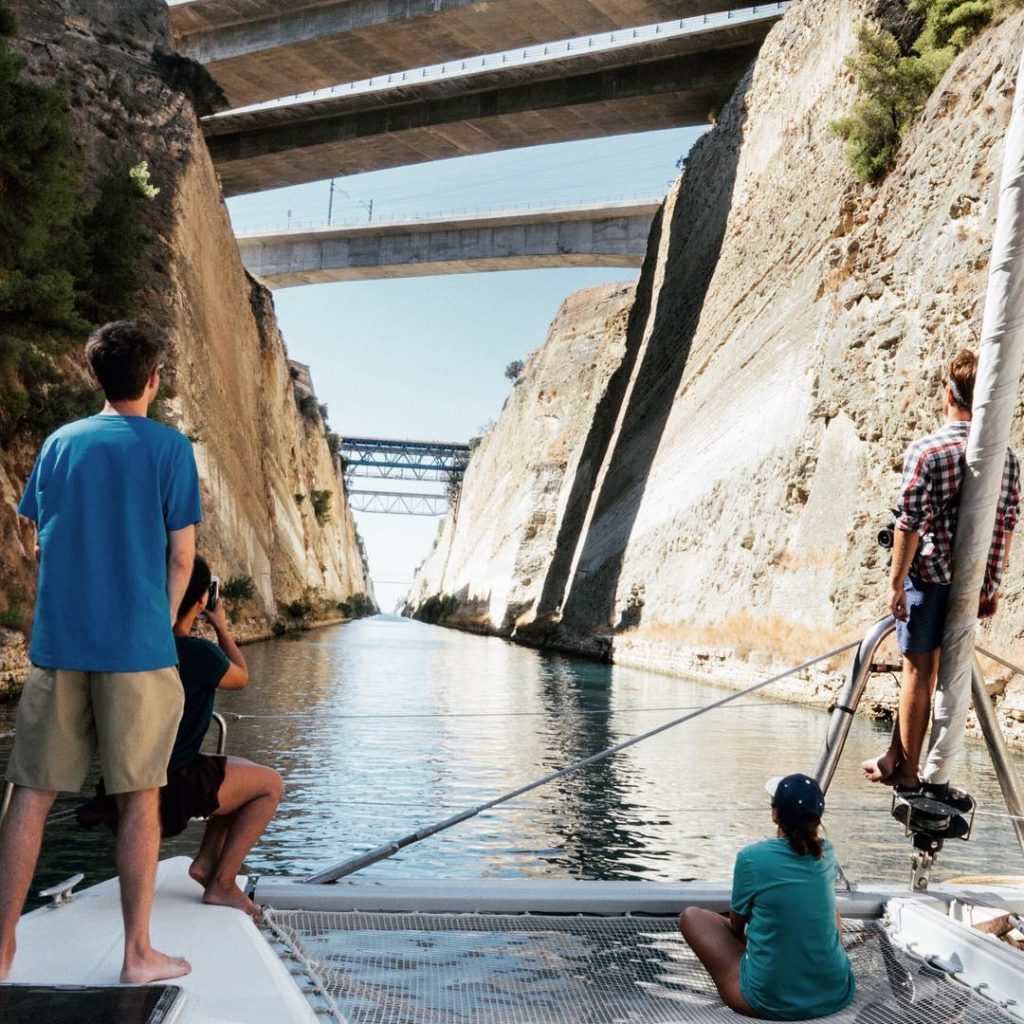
{"x": 416, "y": 968}
{"x": 79, "y": 1004}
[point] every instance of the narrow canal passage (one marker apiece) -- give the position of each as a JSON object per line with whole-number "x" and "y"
{"x": 384, "y": 725}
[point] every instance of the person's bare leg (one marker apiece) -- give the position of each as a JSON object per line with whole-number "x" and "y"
{"x": 202, "y": 867}
{"x": 249, "y": 795}
{"x": 899, "y": 765}
{"x": 720, "y": 951}
{"x": 21, "y": 834}
{"x": 138, "y": 848}
{"x": 919, "y": 674}
{"x": 881, "y": 769}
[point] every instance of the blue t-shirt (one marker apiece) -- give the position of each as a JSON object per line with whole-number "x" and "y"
{"x": 104, "y": 493}
{"x": 795, "y": 966}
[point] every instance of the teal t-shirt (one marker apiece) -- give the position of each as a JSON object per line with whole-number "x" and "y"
{"x": 103, "y": 494}
{"x": 795, "y": 966}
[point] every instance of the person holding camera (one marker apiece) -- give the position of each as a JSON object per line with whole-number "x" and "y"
{"x": 237, "y": 796}
{"x": 921, "y": 574}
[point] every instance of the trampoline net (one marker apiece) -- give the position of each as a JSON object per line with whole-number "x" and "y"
{"x": 536, "y": 969}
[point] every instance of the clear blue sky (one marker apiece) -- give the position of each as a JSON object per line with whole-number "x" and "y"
{"x": 425, "y": 357}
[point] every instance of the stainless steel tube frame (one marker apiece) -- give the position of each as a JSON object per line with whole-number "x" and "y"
{"x": 842, "y": 715}
{"x": 222, "y": 732}
{"x": 1006, "y": 773}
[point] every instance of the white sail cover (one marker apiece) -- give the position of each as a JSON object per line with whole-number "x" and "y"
{"x": 995, "y": 397}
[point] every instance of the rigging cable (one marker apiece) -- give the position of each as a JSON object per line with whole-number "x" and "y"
{"x": 336, "y": 871}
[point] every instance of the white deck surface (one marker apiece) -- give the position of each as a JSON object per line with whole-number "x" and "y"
{"x": 236, "y": 977}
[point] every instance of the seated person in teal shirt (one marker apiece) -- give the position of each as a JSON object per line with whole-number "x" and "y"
{"x": 779, "y": 955}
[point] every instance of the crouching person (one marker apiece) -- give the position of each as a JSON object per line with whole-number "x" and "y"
{"x": 237, "y": 796}
{"x": 779, "y": 954}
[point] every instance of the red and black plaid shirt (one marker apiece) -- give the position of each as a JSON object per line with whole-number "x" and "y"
{"x": 932, "y": 470}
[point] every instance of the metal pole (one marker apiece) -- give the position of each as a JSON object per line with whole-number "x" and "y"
{"x": 846, "y": 708}
{"x": 1006, "y": 773}
{"x": 222, "y": 732}
{"x": 330, "y": 202}
{"x": 8, "y": 793}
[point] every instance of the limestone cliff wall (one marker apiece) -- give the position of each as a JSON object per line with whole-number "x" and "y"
{"x": 494, "y": 552}
{"x": 230, "y": 388}
{"x": 787, "y": 340}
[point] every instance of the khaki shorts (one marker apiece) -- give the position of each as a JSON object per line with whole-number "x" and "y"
{"x": 65, "y": 716}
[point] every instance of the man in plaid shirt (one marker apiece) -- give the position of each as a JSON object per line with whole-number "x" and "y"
{"x": 922, "y": 571}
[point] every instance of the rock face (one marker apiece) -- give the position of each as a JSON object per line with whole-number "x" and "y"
{"x": 788, "y": 339}
{"x": 495, "y": 551}
{"x": 232, "y": 393}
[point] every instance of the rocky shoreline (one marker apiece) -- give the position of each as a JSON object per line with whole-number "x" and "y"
{"x": 817, "y": 686}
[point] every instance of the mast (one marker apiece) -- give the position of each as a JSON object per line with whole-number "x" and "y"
{"x": 1000, "y": 355}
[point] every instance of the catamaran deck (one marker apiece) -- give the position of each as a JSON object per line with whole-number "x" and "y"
{"x": 236, "y": 977}
{"x": 503, "y": 952}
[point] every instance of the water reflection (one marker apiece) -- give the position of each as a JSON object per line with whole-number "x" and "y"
{"x": 382, "y": 726}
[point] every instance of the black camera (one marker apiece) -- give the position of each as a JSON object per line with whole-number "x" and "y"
{"x": 214, "y": 594}
{"x": 886, "y": 535}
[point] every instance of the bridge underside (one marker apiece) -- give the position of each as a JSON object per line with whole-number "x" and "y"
{"x": 262, "y": 49}
{"x": 606, "y": 238}
{"x": 364, "y": 132}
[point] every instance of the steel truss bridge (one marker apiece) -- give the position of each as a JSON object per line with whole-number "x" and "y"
{"x": 384, "y": 458}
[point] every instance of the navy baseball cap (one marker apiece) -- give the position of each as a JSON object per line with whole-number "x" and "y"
{"x": 798, "y": 798}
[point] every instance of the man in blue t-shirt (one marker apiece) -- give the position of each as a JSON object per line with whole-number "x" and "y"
{"x": 115, "y": 501}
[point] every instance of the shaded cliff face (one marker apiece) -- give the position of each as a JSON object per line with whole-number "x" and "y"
{"x": 230, "y": 389}
{"x": 494, "y": 553}
{"x": 788, "y": 339}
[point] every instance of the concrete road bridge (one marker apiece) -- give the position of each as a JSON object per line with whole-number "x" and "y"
{"x": 262, "y": 49}
{"x": 656, "y": 78}
{"x": 605, "y": 235}
{"x": 385, "y": 458}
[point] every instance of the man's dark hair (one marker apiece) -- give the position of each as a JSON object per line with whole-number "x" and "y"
{"x": 197, "y": 586}
{"x": 122, "y": 355}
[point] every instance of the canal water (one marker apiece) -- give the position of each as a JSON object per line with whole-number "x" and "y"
{"x": 385, "y": 725}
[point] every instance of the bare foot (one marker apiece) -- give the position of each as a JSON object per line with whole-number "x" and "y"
{"x": 201, "y": 872}
{"x": 882, "y": 769}
{"x": 232, "y": 896}
{"x": 6, "y": 961}
{"x": 154, "y": 966}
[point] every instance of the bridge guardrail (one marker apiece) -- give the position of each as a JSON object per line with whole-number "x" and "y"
{"x": 298, "y": 226}
{"x": 526, "y": 55}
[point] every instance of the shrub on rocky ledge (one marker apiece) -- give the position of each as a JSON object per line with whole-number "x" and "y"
{"x": 895, "y": 82}
{"x": 436, "y": 608}
{"x": 321, "y": 502}
{"x": 357, "y": 606}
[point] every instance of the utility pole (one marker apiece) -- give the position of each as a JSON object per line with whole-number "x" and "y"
{"x": 330, "y": 203}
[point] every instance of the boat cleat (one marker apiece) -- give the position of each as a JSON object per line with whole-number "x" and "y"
{"x": 62, "y": 892}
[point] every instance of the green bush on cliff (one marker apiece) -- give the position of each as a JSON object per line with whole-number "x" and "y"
{"x": 65, "y": 263}
{"x": 321, "y": 502}
{"x": 117, "y": 242}
{"x": 238, "y": 588}
{"x": 357, "y": 606}
{"x": 190, "y": 77}
{"x": 40, "y": 171}
{"x": 894, "y": 88}
{"x": 436, "y": 608}
{"x": 894, "y": 84}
